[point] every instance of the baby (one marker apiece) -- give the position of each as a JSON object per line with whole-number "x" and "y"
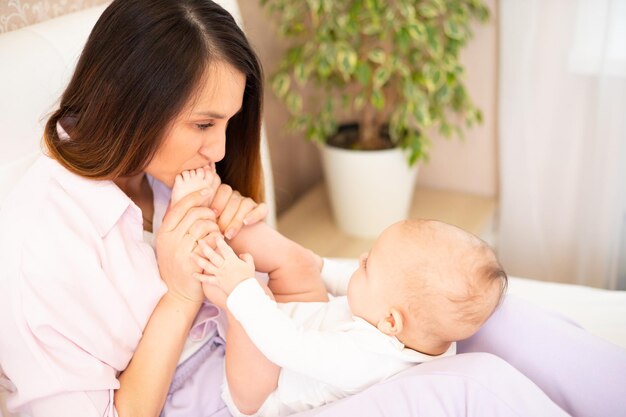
{"x": 423, "y": 286}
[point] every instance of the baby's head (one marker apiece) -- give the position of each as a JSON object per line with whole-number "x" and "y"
{"x": 427, "y": 283}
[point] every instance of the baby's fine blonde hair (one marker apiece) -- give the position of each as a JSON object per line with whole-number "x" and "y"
{"x": 457, "y": 272}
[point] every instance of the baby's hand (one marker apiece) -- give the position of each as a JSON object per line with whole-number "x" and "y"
{"x": 222, "y": 267}
{"x": 193, "y": 180}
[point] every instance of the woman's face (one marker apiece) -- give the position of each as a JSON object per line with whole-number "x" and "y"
{"x": 197, "y": 136}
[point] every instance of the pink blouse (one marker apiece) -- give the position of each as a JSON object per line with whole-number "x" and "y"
{"x": 77, "y": 286}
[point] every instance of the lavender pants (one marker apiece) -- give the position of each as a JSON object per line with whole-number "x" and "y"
{"x": 583, "y": 374}
{"x": 538, "y": 364}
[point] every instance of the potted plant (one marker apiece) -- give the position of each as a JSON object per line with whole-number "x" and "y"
{"x": 392, "y": 67}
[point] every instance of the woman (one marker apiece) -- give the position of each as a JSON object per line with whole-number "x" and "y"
{"x": 164, "y": 86}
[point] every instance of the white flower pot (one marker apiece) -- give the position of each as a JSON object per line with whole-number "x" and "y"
{"x": 368, "y": 190}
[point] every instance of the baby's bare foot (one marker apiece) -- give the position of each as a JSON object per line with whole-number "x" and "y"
{"x": 189, "y": 181}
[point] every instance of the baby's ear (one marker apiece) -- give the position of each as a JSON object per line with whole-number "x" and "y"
{"x": 392, "y": 323}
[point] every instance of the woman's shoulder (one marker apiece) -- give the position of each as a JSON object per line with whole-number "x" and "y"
{"x": 53, "y": 214}
{"x": 33, "y": 206}
{"x": 24, "y": 192}
{"x": 49, "y": 197}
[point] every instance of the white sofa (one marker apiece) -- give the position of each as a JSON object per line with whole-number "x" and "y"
{"x": 35, "y": 65}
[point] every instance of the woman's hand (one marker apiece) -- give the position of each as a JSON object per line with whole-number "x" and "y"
{"x": 234, "y": 210}
{"x": 218, "y": 282}
{"x": 183, "y": 225}
{"x": 222, "y": 266}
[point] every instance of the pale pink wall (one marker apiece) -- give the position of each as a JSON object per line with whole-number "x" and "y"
{"x": 295, "y": 162}
{"x": 471, "y": 165}
{"x": 466, "y": 166}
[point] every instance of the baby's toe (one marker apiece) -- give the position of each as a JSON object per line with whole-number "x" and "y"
{"x": 178, "y": 180}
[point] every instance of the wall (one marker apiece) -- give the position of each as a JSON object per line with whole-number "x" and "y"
{"x": 295, "y": 162}
{"x": 471, "y": 165}
{"x": 15, "y": 14}
{"x": 468, "y": 165}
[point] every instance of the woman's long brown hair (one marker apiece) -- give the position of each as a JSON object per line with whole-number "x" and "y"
{"x": 141, "y": 64}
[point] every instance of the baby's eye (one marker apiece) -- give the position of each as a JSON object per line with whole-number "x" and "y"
{"x": 204, "y": 126}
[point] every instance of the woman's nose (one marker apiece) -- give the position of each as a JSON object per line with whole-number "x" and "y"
{"x": 214, "y": 148}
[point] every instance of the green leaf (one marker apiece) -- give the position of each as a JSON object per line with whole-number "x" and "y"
{"x": 324, "y": 68}
{"x": 300, "y": 73}
{"x": 298, "y": 123}
{"x": 414, "y": 142}
{"x": 381, "y": 76}
{"x": 473, "y": 116}
{"x": 422, "y": 115}
{"x": 294, "y": 102}
{"x": 280, "y": 84}
{"x": 433, "y": 77}
{"x": 359, "y": 101}
{"x": 434, "y": 46}
{"x": 427, "y": 10}
{"x": 407, "y": 10}
{"x": 377, "y": 55}
{"x": 351, "y": 28}
{"x": 445, "y": 129}
{"x": 459, "y": 98}
{"x": 403, "y": 39}
{"x": 443, "y": 95}
{"x": 315, "y": 133}
{"x": 410, "y": 90}
{"x": 402, "y": 68}
{"x": 417, "y": 31}
{"x": 346, "y": 59}
{"x": 377, "y": 99}
{"x": 371, "y": 29}
{"x": 363, "y": 73}
{"x": 429, "y": 84}
{"x": 454, "y": 30}
{"x": 294, "y": 55}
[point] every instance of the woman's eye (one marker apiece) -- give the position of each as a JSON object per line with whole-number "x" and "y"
{"x": 204, "y": 126}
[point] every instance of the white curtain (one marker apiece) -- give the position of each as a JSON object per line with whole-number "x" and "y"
{"x": 562, "y": 132}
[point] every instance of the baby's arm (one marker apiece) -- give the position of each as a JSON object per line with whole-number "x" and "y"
{"x": 330, "y": 357}
{"x": 243, "y": 362}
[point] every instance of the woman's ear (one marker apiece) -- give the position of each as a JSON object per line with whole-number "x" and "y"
{"x": 392, "y": 323}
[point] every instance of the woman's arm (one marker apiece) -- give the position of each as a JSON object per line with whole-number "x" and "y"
{"x": 145, "y": 381}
